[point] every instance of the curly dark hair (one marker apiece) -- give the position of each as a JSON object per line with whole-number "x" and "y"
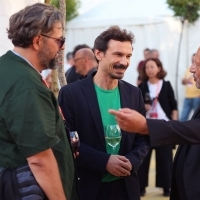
{"x": 161, "y": 74}
{"x": 113, "y": 33}
{"x": 32, "y": 21}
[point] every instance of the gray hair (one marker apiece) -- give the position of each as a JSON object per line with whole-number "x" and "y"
{"x": 32, "y": 21}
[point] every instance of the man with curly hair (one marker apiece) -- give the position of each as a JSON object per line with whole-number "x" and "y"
{"x": 106, "y": 173}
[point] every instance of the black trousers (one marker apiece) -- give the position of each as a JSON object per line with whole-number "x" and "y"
{"x": 164, "y": 160}
{"x": 115, "y": 190}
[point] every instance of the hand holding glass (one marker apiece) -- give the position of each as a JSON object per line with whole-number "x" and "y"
{"x": 75, "y": 142}
{"x": 112, "y": 135}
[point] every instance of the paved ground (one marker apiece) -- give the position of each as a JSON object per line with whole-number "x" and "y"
{"x": 153, "y": 193}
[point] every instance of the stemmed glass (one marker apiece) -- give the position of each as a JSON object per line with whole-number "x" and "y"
{"x": 112, "y": 135}
{"x": 75, "y": 142}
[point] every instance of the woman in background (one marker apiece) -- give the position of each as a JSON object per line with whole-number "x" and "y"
{"x": 160, "y": 103}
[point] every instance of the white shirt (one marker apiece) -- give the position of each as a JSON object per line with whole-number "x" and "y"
{"x": 154, "y": 90}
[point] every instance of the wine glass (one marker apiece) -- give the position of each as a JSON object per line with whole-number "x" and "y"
{"x": 112, "y": 136}
{"x": 75, "y": 142}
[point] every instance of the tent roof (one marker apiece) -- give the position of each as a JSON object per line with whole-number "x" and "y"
{"x": 123, "y": 12}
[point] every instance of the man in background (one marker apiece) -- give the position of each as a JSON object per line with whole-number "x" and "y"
{"x": 85, "y": 62}
{"x": 154, "y": 53}
{"x": 71, "y": 75}
{"x": 140, "y": 66}
{"x": 69, "y": 61}
{"x": 192, "y": 94}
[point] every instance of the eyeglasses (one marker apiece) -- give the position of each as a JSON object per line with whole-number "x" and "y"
{"x": 76, "y": 59}
{"x": 60, "y": 41}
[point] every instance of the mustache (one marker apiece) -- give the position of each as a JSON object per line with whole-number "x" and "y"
{"x": 119, "y": 66}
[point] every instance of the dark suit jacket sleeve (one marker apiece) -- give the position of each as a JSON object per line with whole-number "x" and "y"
{"x": 174, "y": 132}
{"x": 89, "y": 157}
{"x": 139, "y": 151}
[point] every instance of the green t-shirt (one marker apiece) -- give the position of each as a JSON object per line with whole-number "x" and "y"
{"x": 30, "y": 121}
{"x": 108, "y": 99}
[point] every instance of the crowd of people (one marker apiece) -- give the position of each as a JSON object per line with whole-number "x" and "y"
{"x": 37, "y": 160}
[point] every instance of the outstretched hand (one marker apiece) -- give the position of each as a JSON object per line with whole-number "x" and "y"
{"x": 130, "y": 120}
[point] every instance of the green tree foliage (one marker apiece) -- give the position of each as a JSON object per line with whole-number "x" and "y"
{"x": 71, "y": 8}
{"x": 186, "y": 9}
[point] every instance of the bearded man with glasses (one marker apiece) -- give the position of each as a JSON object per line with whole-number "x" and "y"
{"x": 31, "y": 128}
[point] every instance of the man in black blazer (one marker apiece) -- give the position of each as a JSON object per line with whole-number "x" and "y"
{"x": 186, "y": 169}
{"x": 103, "y": 175}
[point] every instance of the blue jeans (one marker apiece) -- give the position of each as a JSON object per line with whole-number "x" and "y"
{"x": 189, "y": 105}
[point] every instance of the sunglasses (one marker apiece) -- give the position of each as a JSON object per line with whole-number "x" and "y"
{"x": 60, "y": 41}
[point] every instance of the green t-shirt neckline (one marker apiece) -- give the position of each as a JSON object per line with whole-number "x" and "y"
{"x": 108, "y": 99}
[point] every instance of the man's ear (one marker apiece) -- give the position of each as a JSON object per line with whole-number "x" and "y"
{"x": 37, "y": 42}
{"x": 98, "y": 54}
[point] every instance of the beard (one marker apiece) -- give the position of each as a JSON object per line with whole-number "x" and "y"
{"x": 45, "y": 61}
{"x": 118, "y": 76}
{"x": 52, "y": 63}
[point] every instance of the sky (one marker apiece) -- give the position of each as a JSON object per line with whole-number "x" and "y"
{"x": 89, "y": 4}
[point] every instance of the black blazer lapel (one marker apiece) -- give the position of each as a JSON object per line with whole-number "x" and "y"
{"x": 92, "y": 101}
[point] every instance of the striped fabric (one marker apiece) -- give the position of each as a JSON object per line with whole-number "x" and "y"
{"x": 28, "y": 186}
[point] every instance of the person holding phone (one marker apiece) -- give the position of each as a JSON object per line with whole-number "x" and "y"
{"x": 160, "y": 103}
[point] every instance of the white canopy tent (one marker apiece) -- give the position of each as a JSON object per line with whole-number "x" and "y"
{"x": 153, "y": 25}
